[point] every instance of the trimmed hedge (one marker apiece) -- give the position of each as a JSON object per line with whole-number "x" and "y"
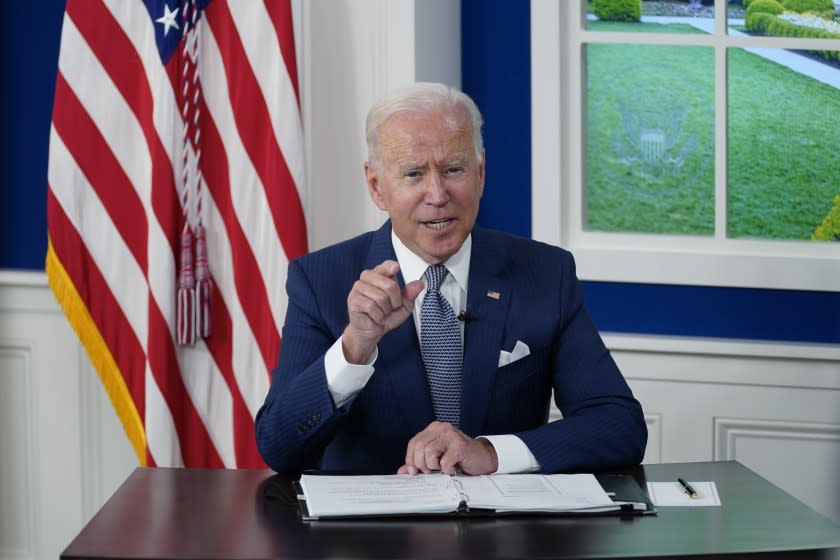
{"x": 809, "y": 6}
{"x": 618, "y": 10}
{"x": 760, "y": 7}
{"x": 777, "y": 27}
{"x": 829, "y": 230}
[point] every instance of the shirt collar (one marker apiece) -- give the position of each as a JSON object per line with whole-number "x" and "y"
{"x": 414, "y": 268}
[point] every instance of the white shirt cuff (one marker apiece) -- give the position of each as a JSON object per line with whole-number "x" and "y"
{"x": 513, "y": 455}
{"x": 345, "y": 380}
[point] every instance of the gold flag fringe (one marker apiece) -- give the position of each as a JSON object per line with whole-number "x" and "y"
{"x": 100, "y": 356}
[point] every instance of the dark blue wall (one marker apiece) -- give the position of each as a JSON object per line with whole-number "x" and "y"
{"x": 496, "y": 72}
{"x": 29, "y": 55}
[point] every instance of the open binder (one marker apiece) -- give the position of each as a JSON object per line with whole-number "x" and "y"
{"x": 341, "y": 497}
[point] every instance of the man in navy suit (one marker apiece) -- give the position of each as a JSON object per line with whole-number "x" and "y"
{"x": 351, "y": 390}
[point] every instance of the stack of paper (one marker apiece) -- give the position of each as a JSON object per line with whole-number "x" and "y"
{"x": 324, "y": 496}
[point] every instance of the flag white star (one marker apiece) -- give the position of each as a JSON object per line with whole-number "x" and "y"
{"x": 168, "y": 19}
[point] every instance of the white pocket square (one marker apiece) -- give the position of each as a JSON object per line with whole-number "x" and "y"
{"x": 520, "y": 350}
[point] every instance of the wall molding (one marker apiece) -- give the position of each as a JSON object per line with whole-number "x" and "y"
{"x": 772, "y": 364}
{"x": 26, "y": 292}
{"x": 22, "y": 278}
{"x": 721, "y": 346}
{"x": 90, "y": 431}
{"x": 727, "y": 432}
{"x": 23, "y": 352}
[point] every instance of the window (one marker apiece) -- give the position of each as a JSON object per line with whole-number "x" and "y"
{"x": 695, "y": 147}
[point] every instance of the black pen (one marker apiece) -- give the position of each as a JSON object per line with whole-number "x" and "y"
{"x": 688, "y": 488}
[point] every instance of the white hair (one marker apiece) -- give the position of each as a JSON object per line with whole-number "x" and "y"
{"x": 422, "y": 97}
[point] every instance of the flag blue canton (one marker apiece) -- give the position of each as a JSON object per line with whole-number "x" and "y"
{"x": 168, "y": 19}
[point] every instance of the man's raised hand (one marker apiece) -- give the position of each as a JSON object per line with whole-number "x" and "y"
{"x": 376, "y": 305}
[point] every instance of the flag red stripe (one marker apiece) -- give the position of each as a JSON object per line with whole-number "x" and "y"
{"x": 197, "y": 447}
{"x": 280, "y": 13}
{"x": 94, "y": 157}
{"x": 220, "y": 345}
{"x": 252, "y": 292}
{"x": 170, "y": 216}
{"x": 143, "y": 204}
{"x": 114, "y": 50}
{"x": 253, "y": 121}
{"x": 96, "y": 160}
{"x": 245, "y": 439}
{"x": 97, "y": 297}
{"x": 117, "y": 55}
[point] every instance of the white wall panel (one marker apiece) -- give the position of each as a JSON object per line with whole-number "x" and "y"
{"x": 107, "y": 457}
{"x": 62, "y": 449}
{"x": 774, "y": 407}
{"x": 16, "y": 484}
{"x": 39, "y": 354}
{"x": 796, "y": 456}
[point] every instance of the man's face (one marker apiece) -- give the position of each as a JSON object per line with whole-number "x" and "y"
{"x": 429, "y": 181}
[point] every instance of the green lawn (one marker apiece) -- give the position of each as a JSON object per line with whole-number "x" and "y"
{"x": 783, "y": 135}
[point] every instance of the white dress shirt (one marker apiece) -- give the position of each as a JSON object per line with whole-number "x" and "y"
{"x": 345, "y": 380}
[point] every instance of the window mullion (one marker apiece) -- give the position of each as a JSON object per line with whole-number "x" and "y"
{"x": 721, "y": 139}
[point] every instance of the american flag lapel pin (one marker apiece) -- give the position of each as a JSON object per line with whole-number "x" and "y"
{"x": 492, "y": 294}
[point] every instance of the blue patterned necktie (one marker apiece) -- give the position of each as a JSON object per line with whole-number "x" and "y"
{"x": 441, "y": 347}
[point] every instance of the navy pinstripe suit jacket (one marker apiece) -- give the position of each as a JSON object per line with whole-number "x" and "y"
{"x": 540, "y": 303}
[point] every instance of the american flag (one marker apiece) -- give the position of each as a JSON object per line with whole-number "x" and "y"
{"x": 123, "y": 167}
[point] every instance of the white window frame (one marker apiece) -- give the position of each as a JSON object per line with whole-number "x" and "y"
{"x": 557, "y": 99}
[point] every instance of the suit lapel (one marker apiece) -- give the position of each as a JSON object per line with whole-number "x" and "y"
{"x": 483, "y": 334}
{"x": 399, "y": 350}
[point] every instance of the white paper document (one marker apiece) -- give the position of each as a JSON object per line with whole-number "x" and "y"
{"x": 516, "y": 492}
{"x": 379, "y": 494}
{"x": 339, "y": 496}
{"x": 671, "y": 494}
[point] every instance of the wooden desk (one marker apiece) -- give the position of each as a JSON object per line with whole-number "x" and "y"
{"x": 198, "y": 513}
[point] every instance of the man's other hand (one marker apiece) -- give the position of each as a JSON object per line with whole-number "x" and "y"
{"x": 376, "y": 305}
{"x": 442, "y": 446}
